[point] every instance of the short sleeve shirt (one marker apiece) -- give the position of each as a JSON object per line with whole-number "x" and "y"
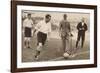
{"x": 27, "y": 23}
{"x": 44, "y": 27}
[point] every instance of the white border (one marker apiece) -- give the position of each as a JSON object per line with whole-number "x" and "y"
{"x": 53, "y": 63}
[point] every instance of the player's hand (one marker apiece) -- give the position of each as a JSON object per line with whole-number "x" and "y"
{"x": 71, "y": 35}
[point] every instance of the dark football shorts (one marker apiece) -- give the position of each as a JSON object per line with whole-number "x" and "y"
{"x": 27, "y": 32}
{"x": 41, "y": 38}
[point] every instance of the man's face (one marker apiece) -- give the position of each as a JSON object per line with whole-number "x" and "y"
{"x": 29, "y": 16}
{"x": 48, "y": 19}
{"x": 83, "y": 19}
{"x": 65, "y": 17}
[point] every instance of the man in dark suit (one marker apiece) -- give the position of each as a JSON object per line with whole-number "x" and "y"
{"x": 82, "y": 28}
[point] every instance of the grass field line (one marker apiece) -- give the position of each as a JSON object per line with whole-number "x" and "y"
{"x": 80, "y": 53}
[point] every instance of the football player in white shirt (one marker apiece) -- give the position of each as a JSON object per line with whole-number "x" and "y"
{"x": 27, "y": 30}
{"x": 44, "y": 29}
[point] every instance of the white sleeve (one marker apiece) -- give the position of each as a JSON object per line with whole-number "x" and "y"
{"x": 31, "y": 22}
{"x": 24, "y": 23}
{"x": 38, "y": 26}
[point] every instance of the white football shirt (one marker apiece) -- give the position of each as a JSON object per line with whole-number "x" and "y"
{"x": 44, "y": 27}
{"x": 27, "y": 23}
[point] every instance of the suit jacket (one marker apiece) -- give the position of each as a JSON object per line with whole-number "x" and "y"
{"x": 81, "y": 28}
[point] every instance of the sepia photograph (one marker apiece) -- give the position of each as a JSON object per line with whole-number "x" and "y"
{"x": 53, "y": 36}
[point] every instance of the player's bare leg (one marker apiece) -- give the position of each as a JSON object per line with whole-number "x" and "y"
{"x": 25, "y": 42}
{"x": 38, "y": 50}
{"x": 28, "y": 43}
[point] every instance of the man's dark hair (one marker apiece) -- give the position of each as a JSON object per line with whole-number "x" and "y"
{"x": 48, "y": 15}
{"x": 65, "y": 15}
{"x": 29, "y": 14}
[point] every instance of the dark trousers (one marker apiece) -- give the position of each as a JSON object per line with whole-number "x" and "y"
{"x": 81, "y": 35}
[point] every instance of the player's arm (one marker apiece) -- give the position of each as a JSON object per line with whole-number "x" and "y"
{"x": 60, "y": 27}
{"x": 32, "y": 27}
{"x": 78, "y": 26}
{"x": 70, "y": 33}
{"x": 34, "y": 31}
{"x": 85, "y": 28}
{"x": 23, "y": 27}
{"x": 36, "y": 28}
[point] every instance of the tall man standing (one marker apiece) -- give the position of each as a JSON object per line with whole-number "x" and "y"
{"x": 44, "y": 29}
{"x": 82, "y": 28}
{"x": 65, "y": 32}
{"x": 27, "y": 29}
